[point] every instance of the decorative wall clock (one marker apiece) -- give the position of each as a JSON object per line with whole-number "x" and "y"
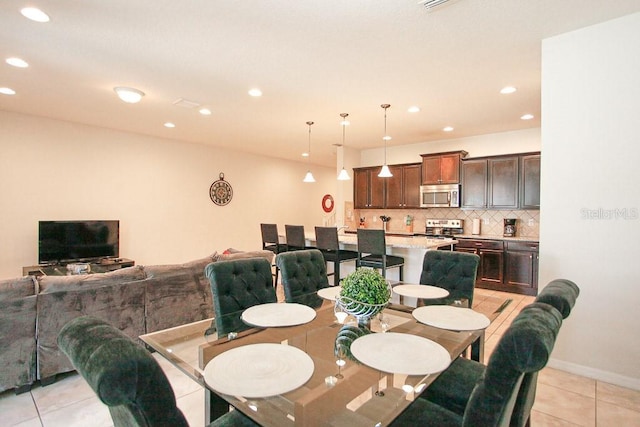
{"x": 221, "y": 192}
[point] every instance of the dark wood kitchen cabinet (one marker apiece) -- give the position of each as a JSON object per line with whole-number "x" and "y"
{"x": 474, "y": 184}
{"x": 510, "y": 266}
{"x": 522, "y": 267}
{"x": 491, "y": 253}
{"x": 368, "y": 188}
{"x": 442, "y": 168}
{"x": 501, "y": 182}
{"x": 530, "y": 181}
{"x": 403, "y": 188}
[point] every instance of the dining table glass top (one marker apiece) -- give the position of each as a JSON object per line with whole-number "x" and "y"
{"x": 340, "y": 390}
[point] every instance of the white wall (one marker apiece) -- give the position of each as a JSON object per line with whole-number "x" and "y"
{"x": 520, "y": 141}
{"x": 590, "y": 225}
{"x": 157, "y": 188}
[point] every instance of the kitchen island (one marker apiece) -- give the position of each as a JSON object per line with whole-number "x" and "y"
{"x": 411, "y": 247}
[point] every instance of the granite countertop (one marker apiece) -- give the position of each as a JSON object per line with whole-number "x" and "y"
{"x": 498, "y": 237}
{"x": 395, "y": 240}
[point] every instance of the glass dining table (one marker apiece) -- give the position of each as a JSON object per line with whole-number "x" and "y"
{"x": 340, "y": 390}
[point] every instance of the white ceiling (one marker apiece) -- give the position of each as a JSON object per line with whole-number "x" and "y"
{"x": 312, "y": 59}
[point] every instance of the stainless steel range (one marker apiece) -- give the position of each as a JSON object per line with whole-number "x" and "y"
{"x": 444, "y": 227}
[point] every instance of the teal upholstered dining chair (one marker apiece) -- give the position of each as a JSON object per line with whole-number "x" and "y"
{"x": 453, "y": 271}
{"x": 237, "y": 285}
{"x": 451, "y": 390}
{"x": 489, "y": 400}
{"x": 125, "y": 376}
{"x": 304, "y": 272}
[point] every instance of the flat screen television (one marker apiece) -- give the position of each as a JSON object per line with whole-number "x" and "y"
{"x": 69, "y": 241}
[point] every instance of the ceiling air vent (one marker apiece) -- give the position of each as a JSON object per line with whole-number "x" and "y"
{"x": 430, "y": 4}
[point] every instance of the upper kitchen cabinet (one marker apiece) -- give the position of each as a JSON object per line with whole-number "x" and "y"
{"x": 368, "y": 188}
{"x": 474, "y": 184}
{"x": 501, "y": 182}
{"x": 530, "y": 181}
{"x": 442, "y": 168}
{"x": 403, "y": 188}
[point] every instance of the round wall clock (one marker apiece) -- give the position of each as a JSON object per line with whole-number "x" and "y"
{"x": 327, "y": 203}
{"x": 221, "y": 191}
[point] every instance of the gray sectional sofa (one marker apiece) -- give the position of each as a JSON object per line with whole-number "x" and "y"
{"x": 137, "y": 300}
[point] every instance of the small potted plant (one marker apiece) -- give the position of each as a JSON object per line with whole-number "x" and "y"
{"x": 364, "y": 294}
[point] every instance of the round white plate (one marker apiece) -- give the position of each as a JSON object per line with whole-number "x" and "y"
{"x": 401, "y": 353}
{"x": 452, "y": 318}
{"x": 420, "y": 291}
{"x": 278, "y": 314}
{"x": 330, "y": 293}
{"x": 259, "y": 370}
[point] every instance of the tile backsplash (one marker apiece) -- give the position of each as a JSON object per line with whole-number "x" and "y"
{"x": 527, "y": 224}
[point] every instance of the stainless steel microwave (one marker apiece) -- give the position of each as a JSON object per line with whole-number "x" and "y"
{"x": 440, "y": 196}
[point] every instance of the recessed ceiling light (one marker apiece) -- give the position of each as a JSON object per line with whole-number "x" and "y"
{"x": 17, "y": 62}
{"x": 507, "y": 90}
{"x": 447, "y": 129}
{"x": 169, "y": 125}
{"x": 305, "y": 154}
{"x": 414, "y": 109}
{"x": 255, "y": 92}
{"x": 7, "y": 91}
{"x": 34, "y": 14}
{"x": 129, "y": 94}
{"x": 205, "y": 111}
{"x": 527, "y": 117}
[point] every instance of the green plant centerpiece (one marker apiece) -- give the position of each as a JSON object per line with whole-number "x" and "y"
{"x": 364, "y": 293}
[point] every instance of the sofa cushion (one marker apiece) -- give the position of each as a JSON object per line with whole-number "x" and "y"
{"x": 236, "y": 254}
{"x": 177, "y": 294}
{"x": 17, "y": 288}
{"x": 49, "y": 284}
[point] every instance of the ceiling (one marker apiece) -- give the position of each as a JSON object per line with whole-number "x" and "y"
{"x": 312, "y": 60}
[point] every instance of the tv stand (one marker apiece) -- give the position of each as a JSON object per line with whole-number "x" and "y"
{"x": 60, "y": 269}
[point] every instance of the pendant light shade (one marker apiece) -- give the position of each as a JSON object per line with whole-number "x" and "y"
{"x": 384, "y": 171}
{"x": 344, "y": 175}
{"x": 309, "y": 176}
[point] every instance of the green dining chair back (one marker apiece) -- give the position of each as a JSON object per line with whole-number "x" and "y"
{"x": 237, "y": 285}
{"x": 304, "y": 272}
{"x": 454, "y": 271}
{"x": 524, "y": 348}
{"x": 122, "y": 373}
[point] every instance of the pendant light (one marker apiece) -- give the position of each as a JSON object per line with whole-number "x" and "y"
{"x": 344, "y": 175}
{"x": 384, "y": 171}
{"x": 309, "y": 176}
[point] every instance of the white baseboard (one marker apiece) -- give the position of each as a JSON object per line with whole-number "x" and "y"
{"x": 596, "y": 374}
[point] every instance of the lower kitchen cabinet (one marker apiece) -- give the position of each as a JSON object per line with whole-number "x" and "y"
{"x": 504, "y": 266}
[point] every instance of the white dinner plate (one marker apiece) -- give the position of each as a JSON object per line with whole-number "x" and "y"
{"x": 278, "y": 314}
{"x": 401, "y": 353}
{"x": 259, "y": 370}
{"x": 330, "y": 293}
{"x": 420, "y": 291}
{"x": 450, "y": 317}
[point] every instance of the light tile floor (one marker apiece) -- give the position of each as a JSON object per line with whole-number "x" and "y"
{"x": 562, "y": 399}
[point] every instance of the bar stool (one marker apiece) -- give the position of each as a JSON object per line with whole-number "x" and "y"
{"x": 327, "y": 242}
{"x": 271, "y": 242}
{"x": 372, "y": 252}
{"x": 295, "y": 238}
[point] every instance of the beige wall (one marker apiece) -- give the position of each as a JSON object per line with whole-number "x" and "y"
{"x": 157, "y": 188}
{"x": 590, "y": 225}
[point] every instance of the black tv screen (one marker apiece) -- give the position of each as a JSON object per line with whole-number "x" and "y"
{"x": 65, "y": 241}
